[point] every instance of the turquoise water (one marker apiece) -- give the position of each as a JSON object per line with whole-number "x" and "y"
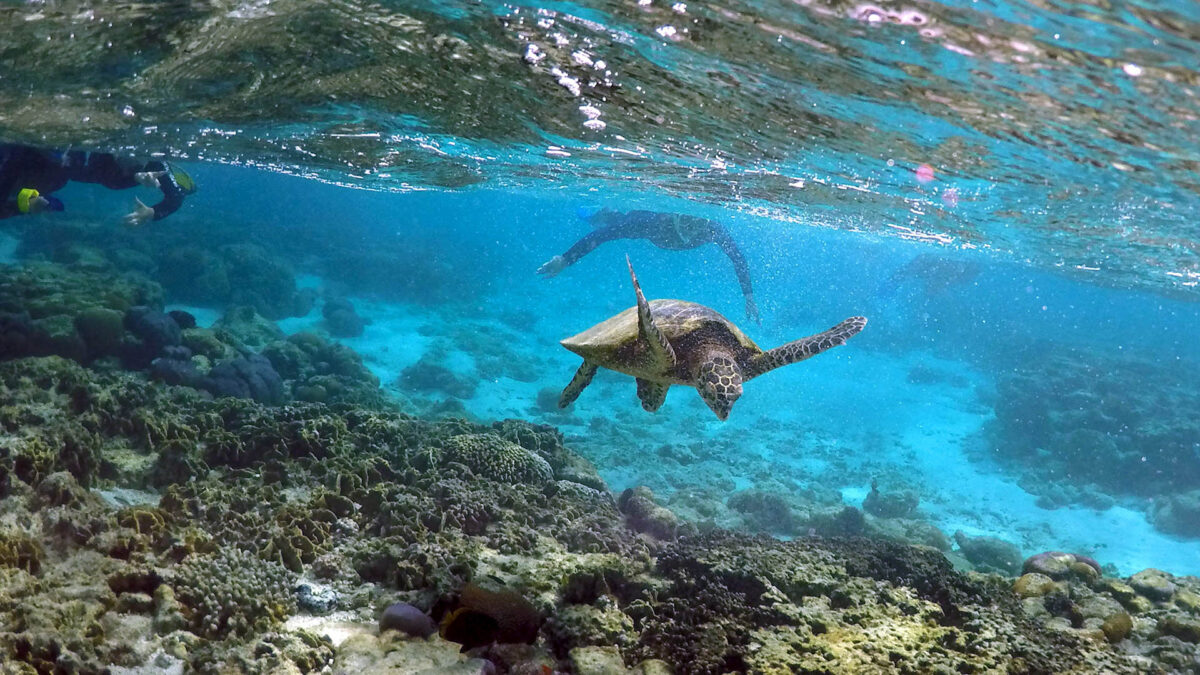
{"x": 1029, "y": 366}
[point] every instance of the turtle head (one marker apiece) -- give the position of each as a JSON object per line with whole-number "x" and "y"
{"x": 719, "y": 381}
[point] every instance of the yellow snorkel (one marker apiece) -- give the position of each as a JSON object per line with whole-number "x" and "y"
{"x": 182, "y": 180}
{"x": 24, "y": 197}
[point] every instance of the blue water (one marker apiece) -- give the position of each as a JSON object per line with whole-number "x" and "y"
{"x": 833, "y": 422}
{"x": 1063, "y": 218}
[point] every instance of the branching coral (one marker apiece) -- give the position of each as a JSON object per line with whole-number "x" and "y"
{"x": 233, "y": 592}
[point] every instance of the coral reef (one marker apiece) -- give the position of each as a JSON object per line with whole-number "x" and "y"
{"x": 243, "y": 325}
{"x": 1177, "y": 514}
{"x": 274, "y": 525}
{"x": 341, "y": 319}
{"x": 228, "y": 271}
{"x": 426, "y": 375}
{"x": 88, "y": 316}
{"x": 77, "y": 314}
{"x": 320, "y": 371}
{"x": 1069, "y": 421}
{"x": 1150, "y": 616}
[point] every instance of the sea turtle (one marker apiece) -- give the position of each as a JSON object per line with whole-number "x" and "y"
{"x": 666, "y": 342}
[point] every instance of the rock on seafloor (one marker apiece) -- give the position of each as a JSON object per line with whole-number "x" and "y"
{"x": 407, "y": 619}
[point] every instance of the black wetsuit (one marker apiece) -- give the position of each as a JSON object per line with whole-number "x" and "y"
{"x": 665, "y": 230}
{"x": 24, "y": 166}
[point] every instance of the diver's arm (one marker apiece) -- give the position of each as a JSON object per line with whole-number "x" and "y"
{"x": 119, "y": 174}
{"x": 721, "y": 238}
{"x": 171, "y": 201}
{"x": 619, "y": 230}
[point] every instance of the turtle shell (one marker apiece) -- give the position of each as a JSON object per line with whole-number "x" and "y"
{"x": 692, "y": 329}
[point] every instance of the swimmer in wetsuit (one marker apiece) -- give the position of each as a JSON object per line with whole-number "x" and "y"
{"x": 665, "y": 230}
{"x": 28, "y": 176}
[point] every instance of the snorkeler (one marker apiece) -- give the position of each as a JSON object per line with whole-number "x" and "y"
{"x": 28, "y": 176}
{"x": 665, "y": 230}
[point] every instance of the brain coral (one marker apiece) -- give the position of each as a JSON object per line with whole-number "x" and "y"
{"x": 493, "y": 457}
{"x": 233, "y": 593}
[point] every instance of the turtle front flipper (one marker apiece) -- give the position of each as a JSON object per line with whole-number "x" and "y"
{"x": 660, "y": 348}
{"x": 804, "y": 348}
{"x": 651, "y": 394}
{"x": 583, "y": 377}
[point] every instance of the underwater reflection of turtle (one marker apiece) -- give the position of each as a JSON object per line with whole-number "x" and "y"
{"x": 666, "y": 342}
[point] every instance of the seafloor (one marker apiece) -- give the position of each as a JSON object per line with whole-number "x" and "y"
{"x": 223, "y": 497}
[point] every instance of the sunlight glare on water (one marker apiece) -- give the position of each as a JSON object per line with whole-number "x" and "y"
{"x": 1037, "y": 124}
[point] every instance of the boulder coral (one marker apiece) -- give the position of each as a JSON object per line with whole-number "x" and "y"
{"x": 500, "y": 460}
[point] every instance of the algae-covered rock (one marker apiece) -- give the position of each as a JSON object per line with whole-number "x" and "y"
{"x": 1032, "y": 585}
{"x": 1153, "y": 584}
{"x": 59, "y": 337}
{"x": 990, "y": 554}
{"x": 653, "y": 667}
{"x": 101, "y": 329}
{"x": 20, "y": 551}
{"x": 1117, "y": 627}
{"x": 646, "y": 515}
{"x": 383, "y": 655}
{"x": 596, "y": 660}
{"x": 246, "y": 326}
{"x": 1059, "y": 565}
{"x": 1182, "y": 626}
{"x": 890, "y": 504}
{"x": 47, "y": 289}
{"x": 585, "y": 625}
{"x": 204, "y": 342}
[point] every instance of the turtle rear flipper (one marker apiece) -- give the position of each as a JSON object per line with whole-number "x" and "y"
{"x": 804, "y": 348}
{"x": 651, "y": 394}
{"x": 660, "y": 349}
{"x": 583, "y": 377}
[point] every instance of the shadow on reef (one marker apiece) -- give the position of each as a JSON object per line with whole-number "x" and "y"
{"x": 220, "y": 534}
